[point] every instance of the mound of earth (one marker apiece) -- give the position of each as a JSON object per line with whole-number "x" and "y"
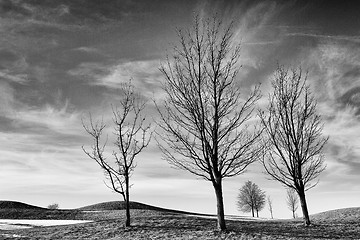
{"x": 116, "y": 205}
{"x": 344, "y": 214}
{"x": 120, "y": 205}
{"x": 19, "y": 210}
{"x": 18, "y": 206}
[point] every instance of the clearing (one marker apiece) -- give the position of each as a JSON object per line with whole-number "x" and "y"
{"x": 149, "y": 222}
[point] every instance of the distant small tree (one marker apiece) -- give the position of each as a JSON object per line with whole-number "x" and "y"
{"x": 260, "y": 200}
{"x": 132, "y": 136}
{"x": 292, "y": 201}
{"x": 270, "y": 206}
{"x": 251, "y": 198}
{"x": 53, "y": 206}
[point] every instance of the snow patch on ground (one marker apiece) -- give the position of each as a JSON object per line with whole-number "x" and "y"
{"x": 11, "y": 224}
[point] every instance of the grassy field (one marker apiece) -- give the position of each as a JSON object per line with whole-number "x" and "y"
{"x": 163, "y": 224}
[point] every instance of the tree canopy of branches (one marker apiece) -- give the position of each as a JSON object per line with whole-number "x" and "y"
{"x": 132, "y": 135}
{"x": 292, "y": 201}
{"x": 251, "y": 198}
{"x": 293, "y": 129}
{"x": 203, "y": 119}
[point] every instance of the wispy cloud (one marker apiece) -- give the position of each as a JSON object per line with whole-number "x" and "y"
{"x": 253, "y": 32}
{"x": 59, "y": 120}
{"x": 90, "y": 71}
{"x": 17, "y": 78}
{"x": 332, "y": 65}
{"x": 63, "y": 14}
{"x": 45, "y": 141}
{"x": 261, "y": 41}
{"x": 145, "y": 75}
{"x": 354, "y": 39}
{"x": 7, "y": 98}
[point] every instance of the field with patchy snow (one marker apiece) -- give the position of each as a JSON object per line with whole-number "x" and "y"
{"x": 162, "y": 224}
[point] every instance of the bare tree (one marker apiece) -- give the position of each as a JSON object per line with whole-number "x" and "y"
{"x": 246, "y": 199}
{"x": 260, "y": 199}
{"x": 251, "y": 198}
{"x": 132, "y": 136}
{"x": 292, "y": 200}
{"x": 295, "y": 154}
{"x": 53, "y": 206}
{"x": 203, "y": 119}
{"x": 270, "y": 206}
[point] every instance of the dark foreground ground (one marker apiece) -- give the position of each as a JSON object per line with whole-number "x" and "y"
{"x": 154, "y": 224}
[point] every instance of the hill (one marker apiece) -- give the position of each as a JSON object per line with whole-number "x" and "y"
{"x": 344, "y": 214}
{"x": 120, "y": 205}
{"x": 18, "y": 206}
{"x": 19, "y": 210}
{"x": 116, "y": 205}
{"x": 10, "y": 207}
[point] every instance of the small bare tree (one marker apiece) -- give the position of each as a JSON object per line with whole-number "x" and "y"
{"x": 203, "y": 119}
{"x": 293, "y": 129}
{"x": 132, "y": 136}
{"x": 246, "y": 199}
{"x": 251, "y": 198}
{"x": 53, "y": 206}
{"x": 292, "y": 200}
{"x": 270, "y": 206}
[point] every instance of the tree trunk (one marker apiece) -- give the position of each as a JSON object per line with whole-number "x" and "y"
{"x": 257, "y": 213}
{"x": 293, "y": 213}
{"x": 127, "y": 202}
{"x": 252, "y": 211}
{"x": 304, "y": 208}
{"x": 220, "y": 206}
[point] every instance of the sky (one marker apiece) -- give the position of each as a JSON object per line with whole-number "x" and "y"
{"x": 61, "y": 60}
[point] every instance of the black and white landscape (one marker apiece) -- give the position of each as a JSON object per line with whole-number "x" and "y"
{"x": 241, "y": 115}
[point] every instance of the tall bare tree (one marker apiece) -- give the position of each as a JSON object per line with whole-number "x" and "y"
{"x": 203, "y": 118}
{"x": 292, "y": 200}
{"x": 132, "y": 135}
{"x": 295, "y": 155}
{"x": 270, "y": 206}
{"x": 251, "y": 198}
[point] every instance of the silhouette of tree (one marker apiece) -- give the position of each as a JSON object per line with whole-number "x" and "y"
{"x": 203, "y": 119}
{"x": 132, "y": 136}
{"x": 294, "y": 155}
{"x": 251, "y": 198}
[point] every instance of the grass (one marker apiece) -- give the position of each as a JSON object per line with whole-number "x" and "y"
{"x": 162, "y": 224}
